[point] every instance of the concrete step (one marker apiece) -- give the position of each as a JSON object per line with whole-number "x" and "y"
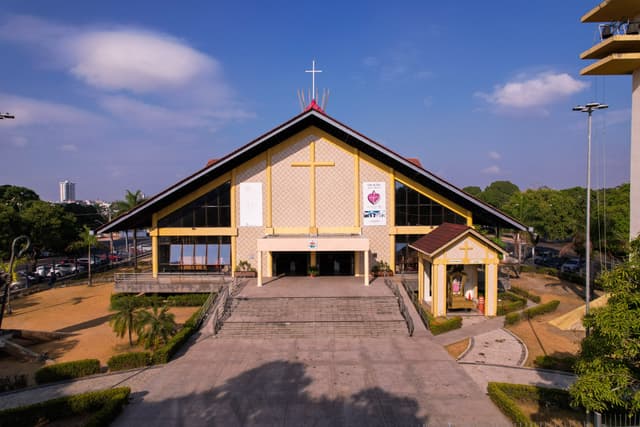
{"x": 315, "y": 309}
{"x": 314, "y": 316}
{"x": 312, "y": 329}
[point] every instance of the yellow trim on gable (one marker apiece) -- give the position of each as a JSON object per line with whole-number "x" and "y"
{"x": 155, "y": 263}
{"x": 269, "y": 195}
{"x": 358, "y": 192}
{"x": 232, "y": 198}
{"x": 196, "y": 231}
{"x": 412, "y": 229}
{"x": 194, "y": 195}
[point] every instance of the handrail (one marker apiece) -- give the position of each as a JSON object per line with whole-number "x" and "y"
{"x": 220, "y": 306}
{"x": 403, "y": 308}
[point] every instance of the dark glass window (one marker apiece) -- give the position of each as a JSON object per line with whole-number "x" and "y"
{"x": 211, "y": 210}
{"x": 406, "y": 258}
{"x": 414, "y": 208}
{"x": 194, "y": 253}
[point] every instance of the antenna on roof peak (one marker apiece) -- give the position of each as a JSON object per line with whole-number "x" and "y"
{"x": 310, "y": 101}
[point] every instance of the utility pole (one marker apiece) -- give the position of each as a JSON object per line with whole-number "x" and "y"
{"x": 589, "y": 109}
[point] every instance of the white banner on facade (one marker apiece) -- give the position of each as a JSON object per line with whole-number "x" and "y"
{"x": 251, "y": 204}
{"x": 374, "y": 202}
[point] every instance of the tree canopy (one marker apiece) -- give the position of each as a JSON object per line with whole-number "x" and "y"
{"x": 608, "y": 368}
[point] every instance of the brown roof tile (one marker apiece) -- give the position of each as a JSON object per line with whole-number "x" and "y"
{"x": 439, "y": 237}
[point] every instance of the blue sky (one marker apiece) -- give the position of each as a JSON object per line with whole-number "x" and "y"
{"x": 137, "y": 95}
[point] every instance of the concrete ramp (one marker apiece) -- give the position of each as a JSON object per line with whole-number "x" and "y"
{"x": 572, "y": 321}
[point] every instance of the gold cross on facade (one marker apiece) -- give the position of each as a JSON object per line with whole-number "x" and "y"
{"x": 312, "y": 165}
{"x": 466, "y": 248}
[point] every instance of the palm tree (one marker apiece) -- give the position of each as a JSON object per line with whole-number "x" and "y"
{"x": 155, "y": 327}
{"x": 126, "y": 318}
{"x": 131, "y": 200}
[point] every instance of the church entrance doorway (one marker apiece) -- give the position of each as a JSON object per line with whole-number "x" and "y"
{"x": 290, "y": 263}
{"x": 335, "y": 263}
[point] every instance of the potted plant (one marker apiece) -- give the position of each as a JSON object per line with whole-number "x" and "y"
{"x": 381, "y": 269}
{"x": 244, "y": 269}
{"x": 312, "y": 271}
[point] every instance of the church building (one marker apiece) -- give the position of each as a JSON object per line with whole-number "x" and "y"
{"x": 313, "y": 196}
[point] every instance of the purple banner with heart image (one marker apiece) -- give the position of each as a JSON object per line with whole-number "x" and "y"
{"x": 374, "y": 203}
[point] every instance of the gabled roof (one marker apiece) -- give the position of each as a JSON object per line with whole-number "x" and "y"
{"x": 446, "y": 234}
{"x": 140, "y": 216}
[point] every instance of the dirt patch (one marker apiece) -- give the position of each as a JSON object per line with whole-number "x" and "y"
{"x": 540, "y": 337}
{"x": 551, "y": 416}
{"x": 83, "y": 312}
{"x": 456, "y": 349}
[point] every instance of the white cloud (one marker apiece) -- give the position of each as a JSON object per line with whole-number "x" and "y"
{"x": 155, "y": 69}
{"x": 68, "y": 147}
{"x": 492, "y": 170}
{"x": 537, "y": 91}
{"x": 138, "y": 61}
{"x": 494, "y": 155}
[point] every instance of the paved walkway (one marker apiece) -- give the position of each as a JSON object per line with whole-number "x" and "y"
{"x": 384, "y": 381}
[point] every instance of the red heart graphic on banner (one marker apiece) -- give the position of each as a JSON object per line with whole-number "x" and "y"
{"x": 373, "y": 197}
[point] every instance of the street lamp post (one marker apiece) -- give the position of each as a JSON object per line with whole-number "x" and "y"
{"x": 589, "y": 109}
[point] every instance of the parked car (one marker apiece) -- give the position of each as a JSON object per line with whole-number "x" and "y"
{"x": 64, "y": 269}
{"x": 43, "y": 271}
{"x": 571, "y": 266}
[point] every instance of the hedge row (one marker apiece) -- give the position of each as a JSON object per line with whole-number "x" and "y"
{"x": 67, "y": 370}
{"x": 499, "y": 394}
{"x": 438, "y": 325}
{"x": 176, "y": 300}
{"x": 532, "y": 312}
{"x": 103, "y": 407}
{"x": 505, "y": 396}
{"x": 526, "y": 294}
{"x": 509, "y": 303}
{"x": 131, "y": 360}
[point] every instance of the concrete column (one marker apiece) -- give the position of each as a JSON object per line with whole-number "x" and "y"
{"x": 154, "y": 256}
{"x": 440, "y": 298}
{"x": 634, "y": 196}
{"x": 490, "y": 289}
{"x": 366, "y": 268}
{"x": 259, "y": 268}
{"x": 420, "y": 278}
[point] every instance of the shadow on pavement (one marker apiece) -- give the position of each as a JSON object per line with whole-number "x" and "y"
{"x": 274, "y": 393}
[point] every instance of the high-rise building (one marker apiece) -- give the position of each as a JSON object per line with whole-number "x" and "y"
{"x": 67, "y": 191}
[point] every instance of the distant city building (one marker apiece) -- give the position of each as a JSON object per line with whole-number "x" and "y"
{"x": 67, "y": 191}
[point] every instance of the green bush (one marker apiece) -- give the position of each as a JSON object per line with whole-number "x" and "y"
{"x": 559, "y": 363}
{"x": 441, "y": 325}
{"x": 187, "y": 300}
{"x": 13, "y": 382}
{"x": 506, "y": 404}
{"x": 525, "y": 293}
{"x": 131, "y": 360}
{"x": 510, "y": 302}
{"x": 512, "y": 318}
{"x": 438, "y": 325}
{"x": 103, "y": 407}
{"x": 538, "y": 310}
{"x": 506, "y": 397}
{"x": 67, "y": 370}
{"x": 172, "y": 300}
